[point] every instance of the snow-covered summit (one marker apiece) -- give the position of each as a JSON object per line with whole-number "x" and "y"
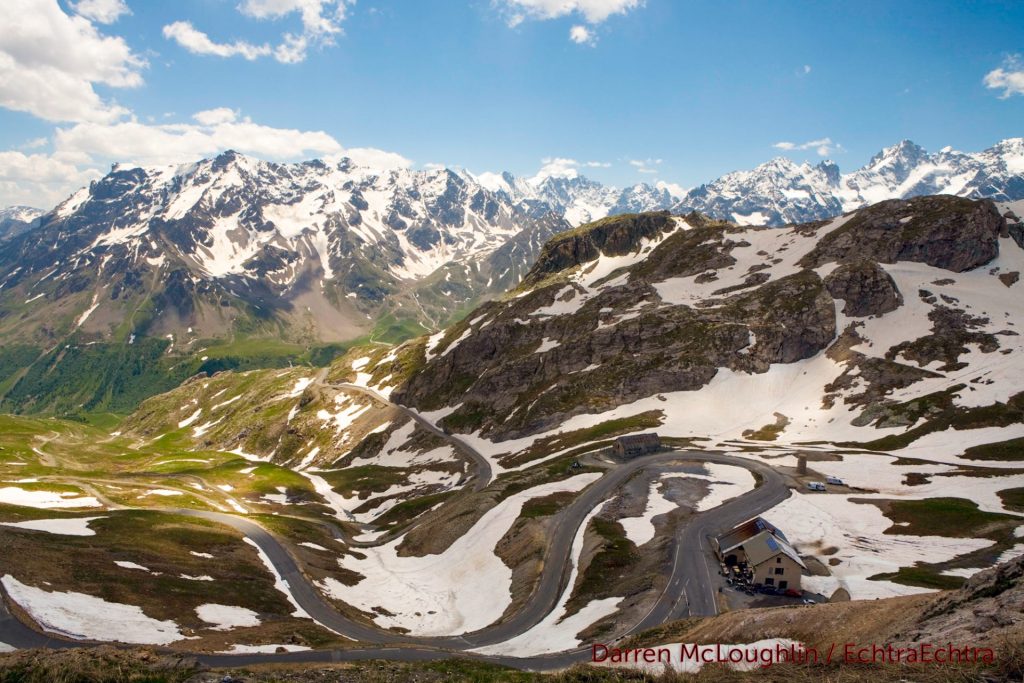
{"x": 25, "y": 214}
{"x": 781, "y": 191}
{"x": 17, "y": 219}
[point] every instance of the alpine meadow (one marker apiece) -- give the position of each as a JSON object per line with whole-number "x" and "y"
{"x": 654, "y": 351}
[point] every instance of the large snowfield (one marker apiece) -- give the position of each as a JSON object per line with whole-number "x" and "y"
{"x": 464, "y": 588}
{"x": 83, "y": 616}
{"x": 14, "y": 495}
{"x": 71, "y": 526}
{"x": 856, "y": 532}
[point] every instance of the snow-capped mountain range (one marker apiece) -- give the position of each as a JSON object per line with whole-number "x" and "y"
{"x": 309, "y": 250}
{"x": 781, "y": 191}
{"x": 326, "y": 250}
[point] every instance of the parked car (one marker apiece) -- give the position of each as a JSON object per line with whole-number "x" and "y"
{"x": 815, "y": 486}
{"x": 793, "y": 593}
{"x": 835, "y": 481}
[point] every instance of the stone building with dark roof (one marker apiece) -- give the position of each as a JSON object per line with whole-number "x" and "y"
{"x": 634, "y": 445}
{"x": 765, "y": 550}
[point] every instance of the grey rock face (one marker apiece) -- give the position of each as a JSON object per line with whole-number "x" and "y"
{"x": 946, "y": 232}
{"x": 865, "y": 288}
{"x": 612, "y": 236}
{"x": 989, "y": 602}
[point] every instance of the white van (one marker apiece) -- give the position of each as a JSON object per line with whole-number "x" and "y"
{"x": 835, "y": 481}
{"x": 815, "y": 486}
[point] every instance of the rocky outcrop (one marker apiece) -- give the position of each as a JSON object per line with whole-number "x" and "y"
{"x": 953, "y": 330}
{"x": 943, "y": 231}
{"x": 1016, "y": 231}
{"x": 594, "y": 360}
{"x": 613, "y": 236}
{"x": 865, "y": 288}
{"x": 988, "y": 604}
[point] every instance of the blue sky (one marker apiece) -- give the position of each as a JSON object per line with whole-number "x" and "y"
{"x": 490, "y": 85}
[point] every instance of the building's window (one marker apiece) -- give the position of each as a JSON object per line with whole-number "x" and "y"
{"x": 778, "y": 560}
{"x": 783, "y": 584}
{"x": 779, "y": 570}
{"x": 769, "y": 581}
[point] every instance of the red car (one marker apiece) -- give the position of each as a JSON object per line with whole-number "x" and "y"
{"x": 793, "y": 593}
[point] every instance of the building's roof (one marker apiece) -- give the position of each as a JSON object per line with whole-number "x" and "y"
{"x": 748, "y": 529}
{"x": 764, "y": 546}
{"x": 639, "y": 440}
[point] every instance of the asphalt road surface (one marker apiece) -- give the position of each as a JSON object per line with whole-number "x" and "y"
{"x": 483, "y": 465}
{"x": 689, "y": 591}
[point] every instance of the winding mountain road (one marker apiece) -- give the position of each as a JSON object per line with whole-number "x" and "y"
{"x": 689, "y": 590}
{"x": 484, "y": 471}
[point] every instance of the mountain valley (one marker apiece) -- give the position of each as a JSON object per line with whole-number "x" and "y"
{"x": 460, "y": 487}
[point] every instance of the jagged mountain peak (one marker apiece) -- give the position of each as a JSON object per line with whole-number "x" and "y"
{"x": 900, "y": 159}
{"x": 322, "y": 248}
{"x": 1008, "y": 145}
{"x": 781, "y": 191}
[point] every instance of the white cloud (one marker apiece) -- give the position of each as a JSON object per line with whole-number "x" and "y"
{"x": 35, "y": 143}
{"x": 292, "y": 50}
{"x": 321, "y": 22}
{"x": 133, "y": 142}
{"x": 100, "y": 11}
{"x": 807, "y": 68}
{"x": 50, "y": 61}
{"x": 556, "y": 167}
{"x": 83, "y": 151}
{"x": 432, "y": 166}
{"x": 581, "y": 35}
{"x": 593, "y": 11}
{"x": 376, "y": 159}
{"x": 213, "y": 117}
{"x": 645, "y": 165}
{"x": 822, "y": 147}
{"x": 319, "y": 17}
{"x": 563, "y": 167}
{"x": 198, "y": 43}
{"x": 38, "y": 179}
{"x": 1009, "y": 77}
{"x": 673, "y": 189}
